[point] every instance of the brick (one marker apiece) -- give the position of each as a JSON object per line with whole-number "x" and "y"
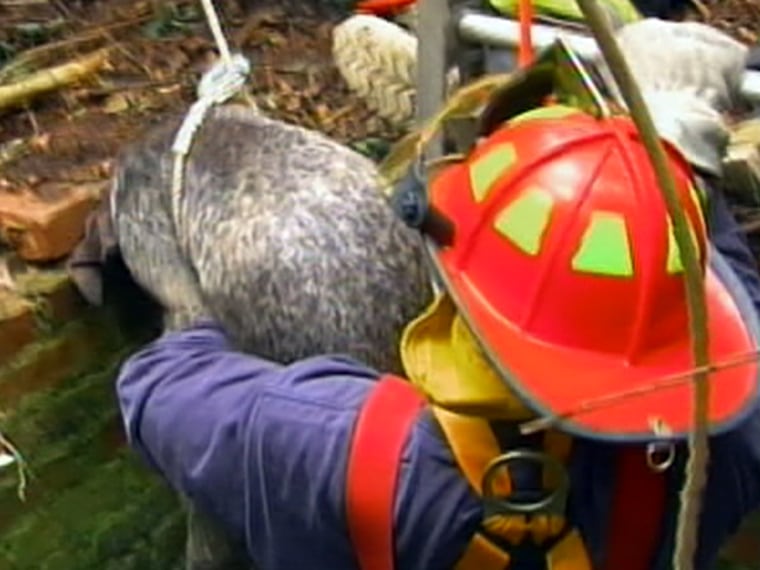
{"x": 44, "y": 364}
{"x": 43, "y": 301}
{"x": 46, "y": 229}
{"x": 51, "y": 416}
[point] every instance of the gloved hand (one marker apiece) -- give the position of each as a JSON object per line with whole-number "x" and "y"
{"x": 689, "y": 74}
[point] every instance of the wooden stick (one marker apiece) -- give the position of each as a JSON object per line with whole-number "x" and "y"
{"x": 696, "y": 469}
{"x": 50, "y": 79}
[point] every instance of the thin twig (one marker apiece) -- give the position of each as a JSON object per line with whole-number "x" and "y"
{"x": 35, "y": 55}
{"x": 664, "y": 383}
{"x": 50, "y": 79}
{"x": 703, "y": 10}
{"x": 20, "y": 465}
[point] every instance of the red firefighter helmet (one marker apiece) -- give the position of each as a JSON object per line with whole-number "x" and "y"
{"x": 563, "y": 262}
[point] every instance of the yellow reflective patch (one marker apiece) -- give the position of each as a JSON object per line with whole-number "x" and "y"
{"x": 548, "y": 112}
{"x": 700, "y": 201}
{"x": 675, "y": 263}
{"x": 487, "y": 169}
{"x": 525, "y": 220}
{"x": 604, "y": 248}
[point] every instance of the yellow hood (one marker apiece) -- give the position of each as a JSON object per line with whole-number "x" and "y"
{"x": 442, "y": 358}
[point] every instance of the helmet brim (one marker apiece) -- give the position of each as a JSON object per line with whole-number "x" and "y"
{"x": 605, "y": 397}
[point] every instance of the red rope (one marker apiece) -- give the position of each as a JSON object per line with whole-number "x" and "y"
{"x": 525, "y": 53}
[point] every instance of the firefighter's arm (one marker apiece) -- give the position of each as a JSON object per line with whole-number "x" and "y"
{"x": 232, "y": 431}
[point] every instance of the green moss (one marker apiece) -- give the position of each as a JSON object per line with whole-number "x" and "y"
{"x": 59, "y": 474}
{"x": 90, "y": 504}
{"x": 44, "y": 420}
{"x": 48, "y": 416}
{"x": 116, "y": 531}
{"x": 167, "y": 542}
{"x": 78, "y": 347}
{"x": 139, "y": 559}
{"x": 41, "y": 282}
{"x": 62, "y": 433}
{"x": 114, "y": 508}
{"x": 163, "y": 547}
{"x": 37, "y": 287}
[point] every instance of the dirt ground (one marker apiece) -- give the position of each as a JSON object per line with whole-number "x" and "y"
{"x": 740, "y": 18}
{"x": 154, "y": 57}
{"x": 155, "y": 53}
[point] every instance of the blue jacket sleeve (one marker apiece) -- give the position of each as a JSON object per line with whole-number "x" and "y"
{"x": 263, "y": 449}
{"x": 222, "y": 426}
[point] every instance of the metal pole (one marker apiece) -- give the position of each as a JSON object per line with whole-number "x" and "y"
{"x": 505, "y": 33}
{"x": 432, "y": 64}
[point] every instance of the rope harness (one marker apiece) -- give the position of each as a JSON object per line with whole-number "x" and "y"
{"x": 225, "y": 79}
{"x": 510, "y": 536}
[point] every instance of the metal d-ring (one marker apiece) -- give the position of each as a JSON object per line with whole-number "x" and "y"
{"x": 554, "y": 503}
{"x": 660, "y": 454}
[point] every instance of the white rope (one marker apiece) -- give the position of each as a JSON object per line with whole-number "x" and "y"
{"x": 9, "y": 455}
{"x": 216, "y": 30}
{"x": 226, "y": 78}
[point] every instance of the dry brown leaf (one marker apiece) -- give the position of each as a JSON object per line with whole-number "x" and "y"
{"x": 116, "y": 103}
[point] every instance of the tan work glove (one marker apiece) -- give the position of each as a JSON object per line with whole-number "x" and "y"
{"x": 689, "y": 75}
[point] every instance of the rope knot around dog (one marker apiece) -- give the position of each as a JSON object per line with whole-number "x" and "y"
{"x": 225, "y": 79}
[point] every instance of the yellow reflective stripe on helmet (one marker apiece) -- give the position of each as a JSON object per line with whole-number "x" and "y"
{"x": 544, "y": 113}
{"x": 624, "y": 10}
{"x": 675, "y": 264}
{"x": 524, "y": 221}
{"x": 488, "y": 168}
{"x": 604, "y": 248}
{"x": 700, "y": 201}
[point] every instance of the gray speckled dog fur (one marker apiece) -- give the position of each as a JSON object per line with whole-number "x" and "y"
{"x": 284, "y": 239}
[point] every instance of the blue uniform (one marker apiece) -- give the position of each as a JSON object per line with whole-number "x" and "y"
{"x": 263, "y": 448}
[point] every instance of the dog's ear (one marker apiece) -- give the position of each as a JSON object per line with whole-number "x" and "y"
{"x": 98, "y": 272}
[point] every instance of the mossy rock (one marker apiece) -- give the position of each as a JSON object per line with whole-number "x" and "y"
{"x": 62, "y": 433}
{"x": 76, "y": 349}
{"x": 119, "y": 506}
